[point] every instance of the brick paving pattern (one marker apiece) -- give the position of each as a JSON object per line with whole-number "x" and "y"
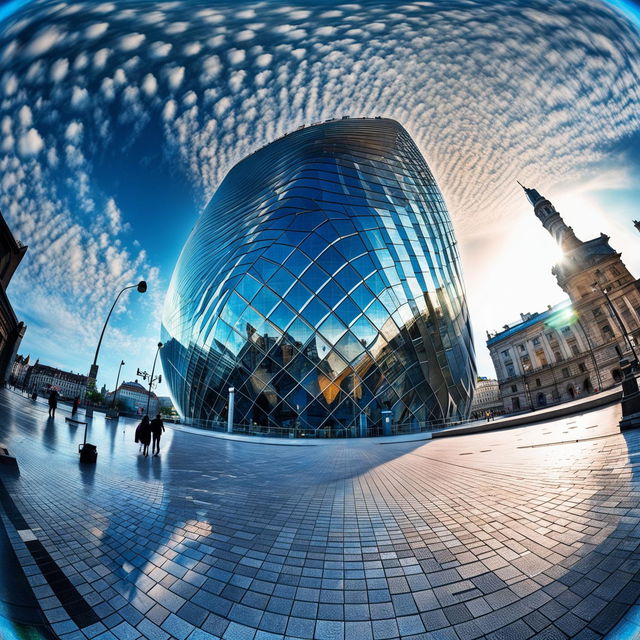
{"x": 530, "y": 532}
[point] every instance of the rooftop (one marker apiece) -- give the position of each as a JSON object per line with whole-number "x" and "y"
{"x": 530, "y": 320}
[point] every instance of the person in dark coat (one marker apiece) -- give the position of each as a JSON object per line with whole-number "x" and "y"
{"x": 143, "y": 435}
{"x": 76, "y": 404}
{"x": 53, "y": 403}
{"x": 157, "y": 427}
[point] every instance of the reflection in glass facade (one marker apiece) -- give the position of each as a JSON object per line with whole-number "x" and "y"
{"x": 322, "y": 282}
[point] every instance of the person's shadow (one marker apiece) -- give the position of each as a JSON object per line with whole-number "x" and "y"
{"x": 49, "y": 436}
{"x": 143, "y": 467}
{"x": 156, "y": 467}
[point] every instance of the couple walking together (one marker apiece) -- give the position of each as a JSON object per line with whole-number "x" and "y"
{"x": 145, "y": 430}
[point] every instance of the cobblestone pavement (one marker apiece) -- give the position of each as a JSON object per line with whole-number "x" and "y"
{"x": 530, "y": 532}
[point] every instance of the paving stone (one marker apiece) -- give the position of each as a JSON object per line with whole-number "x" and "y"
{"x": 345, "y": 539}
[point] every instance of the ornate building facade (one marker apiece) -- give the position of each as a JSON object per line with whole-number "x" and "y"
{"x": 132, "y": 397}
{"x": 486, "y": 398}
{"x": 11, "y": 330}
{"x": 575, "y": 347}
{"x": 41, "y": 377}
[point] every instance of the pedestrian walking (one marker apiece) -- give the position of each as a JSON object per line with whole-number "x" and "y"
{"x": 487, "y": 415}
{"x": 143, "y": 435}
{"x": 53, "y": 403}
{"x": 157, "y": 428}
{"x": 76, "y": 404}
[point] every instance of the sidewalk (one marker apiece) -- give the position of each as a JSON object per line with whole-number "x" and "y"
{"x": 581, "y": 405}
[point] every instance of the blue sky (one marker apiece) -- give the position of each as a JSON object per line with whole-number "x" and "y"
{"x": 119, "y": 119}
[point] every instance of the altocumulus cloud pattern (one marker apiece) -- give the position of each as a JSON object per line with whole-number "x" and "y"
{"x": 322, "y": 283}
{"x": 85, "y": 85}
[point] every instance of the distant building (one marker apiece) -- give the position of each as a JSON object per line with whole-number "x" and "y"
{"x": 132, "y": 397}
{"x": 575, "y": 347}
{"x": 11, "y": 331}
{"x": 41, "y": 377}
{"x": 486, "y": 398}
{"x": 19, "y": 370}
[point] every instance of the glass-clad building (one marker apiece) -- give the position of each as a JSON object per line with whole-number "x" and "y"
{"x": 323, "y": 284}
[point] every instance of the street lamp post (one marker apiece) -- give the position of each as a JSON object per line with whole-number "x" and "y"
{"x": 115, "y": 390}
{"x": 596, "y": 286}
{"x": 144, "y": 375}
{"x": 590, "y": 347}
{"x": 93, "y": 372}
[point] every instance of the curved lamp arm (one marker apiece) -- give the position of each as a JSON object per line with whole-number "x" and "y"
{"x": 142, "y": 287}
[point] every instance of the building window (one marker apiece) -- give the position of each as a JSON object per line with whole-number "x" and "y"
{"x": 542, "y": 358}
{"x": 510, "y": 370}
{"x": 607, "y": 334}
{"x": 565, "y": 372}
{"x": 557, "y": 356}
{"x": 573, "y": 345}
{"x": 538, "y": 383}
{"x": 566, "y": 330}
{"x": 597, "y": 312}
{"x": 505, "y": 353}
{"x": 514, "y": 388}
{"x": 526, "y": 363}
{"x": 522, "y": 348}
{"x": 536, "y": 341}
{"x": 582, "y": 367}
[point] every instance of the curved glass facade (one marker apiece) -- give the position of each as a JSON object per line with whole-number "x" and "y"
{"x": 322, "y": 282}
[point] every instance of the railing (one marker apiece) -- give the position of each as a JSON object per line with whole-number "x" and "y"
{"x": 335, "y": 431}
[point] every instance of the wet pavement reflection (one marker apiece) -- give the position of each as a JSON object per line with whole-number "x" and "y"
{"x": 520, "y": 532}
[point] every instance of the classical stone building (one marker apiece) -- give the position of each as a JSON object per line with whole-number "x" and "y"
{"x": 486, "y": 398}
{"x": 575, "y": 347}
{"x": 42, "y": 377}
{"x": 19, "y": 370}
{"x": 11, "y": 330}
{"x": 132, "y": 397}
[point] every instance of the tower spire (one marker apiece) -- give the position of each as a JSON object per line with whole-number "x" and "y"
{"x": 552, "y": 220}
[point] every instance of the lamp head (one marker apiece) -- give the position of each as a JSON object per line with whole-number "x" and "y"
{"x": 142, "y": 286}
{"x": 122, "y": 363}
{"x": 160, "y": 345}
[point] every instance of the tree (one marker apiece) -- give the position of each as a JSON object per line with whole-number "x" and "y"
{"x": 94, "y": 397}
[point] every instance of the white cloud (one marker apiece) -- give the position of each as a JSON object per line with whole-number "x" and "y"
{"x": 169, "y": 110}
{"x": 100, "y": 58}
{"x": 192, "y": 49}
{"x": 79, "y": 97}
{"x": 30, "y": 143}
{"x": 149, "y": 85}
{"x": 222, "y": 106}
{"x": 9, "y": 84}
{"x": 264, "y": 60}
{"x": 96, "y": 30}
{"x": 44, "y": 41}
{"x": 245, "y": 34}
{"x": 236, "y": 56}
{"x": 25, "y": 117}
{"x": 74, "y": 132}
{"x": 160, "y": 49}
{"x": 176, "y": 27}
{"x": 59, "y": 69}
{"x": 175, "y": 76}
{"x": 131, "y": 41}
{"x": 114, "y": 216}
